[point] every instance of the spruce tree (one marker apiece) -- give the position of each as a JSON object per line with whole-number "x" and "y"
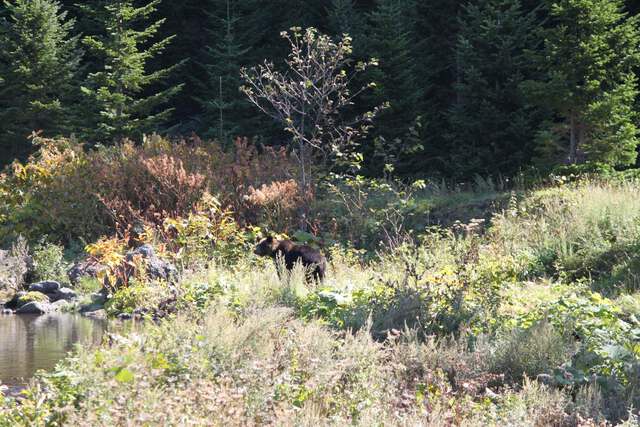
{"x": 437, "y": 27}
{"x": 225, "y": 110}
{"x": 589, "y": 55}
{"x": 344, "y": 18}
{"x": 389, "y": 39}
{"x": 39, "y": 61}
{"x": 491, "y": 123}
{"x": 120, "y": 92}
{"x": 189, "y": 21}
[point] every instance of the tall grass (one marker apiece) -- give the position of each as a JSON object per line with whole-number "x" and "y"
{"x": 482, "y": 323}
{"x": 589, "y": 230}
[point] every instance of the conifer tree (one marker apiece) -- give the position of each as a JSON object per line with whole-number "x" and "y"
{"x": 588, "y": 61}
{"x": 189, "y": 21}
{"x": 39, "y": 60}
{"x": 491, "y": 123}
{"x": 225, "y": 110}
{"x": 389, "y": 39}
{"x": 120, "y": 91}
{"x": 436, "y": 34}
{"x": 344, "y": 18}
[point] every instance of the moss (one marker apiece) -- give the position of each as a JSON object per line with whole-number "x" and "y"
{"x": 32, "y": 297}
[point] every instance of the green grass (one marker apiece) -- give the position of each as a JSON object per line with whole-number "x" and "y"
{"x": 532, "y": 320}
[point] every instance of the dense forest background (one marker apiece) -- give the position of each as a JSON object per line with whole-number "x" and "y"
{"x": 474, "y": 87}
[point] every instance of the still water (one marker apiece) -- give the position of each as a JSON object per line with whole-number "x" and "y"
{"x": 30, "y": 343}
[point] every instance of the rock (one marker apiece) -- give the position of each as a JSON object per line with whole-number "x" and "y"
{"x": 157, "y": 268}
{"x": 97, "y": 314}
{"x": 36, "y": 308}
{"x": 14, "y": 392}
{"x": 146, "y": 251}
{"x": 88, "y": 308}
{"x": 98, "y": 298}
{"x": 33, "y": 296}
{"x": 124, "y": 316}
{"x": 7, "y": 312}
{"x": 84, "y": 269}
{"x": 61, "y": 304}
{"x": 546, "y": 379}
{"x": 13, "y": 302}
{"x": 63, "y": 294}
{"x": 46, "y": 287}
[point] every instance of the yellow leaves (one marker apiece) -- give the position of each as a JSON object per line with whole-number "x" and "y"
{"x": 109, "y": 252}
{"x": 447, "y": 274}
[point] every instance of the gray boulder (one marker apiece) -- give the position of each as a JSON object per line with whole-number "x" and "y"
{"x": 46, "y": 287}
{"x": 60, "y": 304}
{"x": 15, "y": 301}
{"x": 88, "y": 308}
{"x": 84, "y": 269}
{"x": 65, "y": 294}
{"x": 96, "y": 314}
{"x": 98, "y": 298}
{"x": 157, "y": 268}
{"x": 36, "y": 308}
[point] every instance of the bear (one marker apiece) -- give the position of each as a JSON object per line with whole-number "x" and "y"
{"x": 291, "y": 253}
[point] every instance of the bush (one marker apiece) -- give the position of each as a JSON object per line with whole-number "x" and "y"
{"x": 88, "y": 286}
{"x": 210, "y": 232}
{"x": 608, "y": 349}
{"x": 72, "y": 194}
{"x": 413, "y": 287}
{"x": 526, "y": 353}
{"x": 15, "y": 266}
{"x": 137, "y": 295}
{"x": 277, "y": 204}
{"x": 49, "y": 263}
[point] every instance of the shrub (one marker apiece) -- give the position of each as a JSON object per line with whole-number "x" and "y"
{"x": 367, "y": 212}
{"x": 277, "y": 204}
{"x": 49, "y": 263}
{"x": 135, "y": 187}
{"x": 209, "y": 232}
{"x": 608, "y": 349}
{"x": 88, "y": 285}
{"x": 72, "y": 194}
{"x": 527, "y": 353}
{"x": 14, "y": 266}
{"x": 138, "y": 295}
{"x": 413, "y": 286}
{"x": 110, "y": 253}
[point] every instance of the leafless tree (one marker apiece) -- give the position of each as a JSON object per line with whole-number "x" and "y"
{"x": 309, "y": 98}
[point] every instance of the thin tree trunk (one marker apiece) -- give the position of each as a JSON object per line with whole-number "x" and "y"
{"x": 581, "y": 139}
{"x": 221, "y": 125}
{"x": 303, "y": 185}
{"x": 303, "y": 173}
{"x": 573, "y": 144}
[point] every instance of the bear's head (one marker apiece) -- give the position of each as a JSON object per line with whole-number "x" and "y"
{"x": 266, "y": 247}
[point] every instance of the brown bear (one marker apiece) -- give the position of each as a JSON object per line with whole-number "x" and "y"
{"x": 291, "y": 253}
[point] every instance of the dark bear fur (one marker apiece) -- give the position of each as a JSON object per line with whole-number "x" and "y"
{"x": 291, "y": 253}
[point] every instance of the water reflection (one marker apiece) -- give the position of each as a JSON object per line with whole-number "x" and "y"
{"x": 30, "y": 343}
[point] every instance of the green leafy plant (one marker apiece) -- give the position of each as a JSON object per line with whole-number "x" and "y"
{"x": 49, "y": 262}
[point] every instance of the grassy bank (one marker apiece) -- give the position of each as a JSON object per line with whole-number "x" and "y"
{"x": 528, "y": 319}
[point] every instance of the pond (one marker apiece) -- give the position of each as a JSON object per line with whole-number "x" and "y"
{"x": 29, "y": 343}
